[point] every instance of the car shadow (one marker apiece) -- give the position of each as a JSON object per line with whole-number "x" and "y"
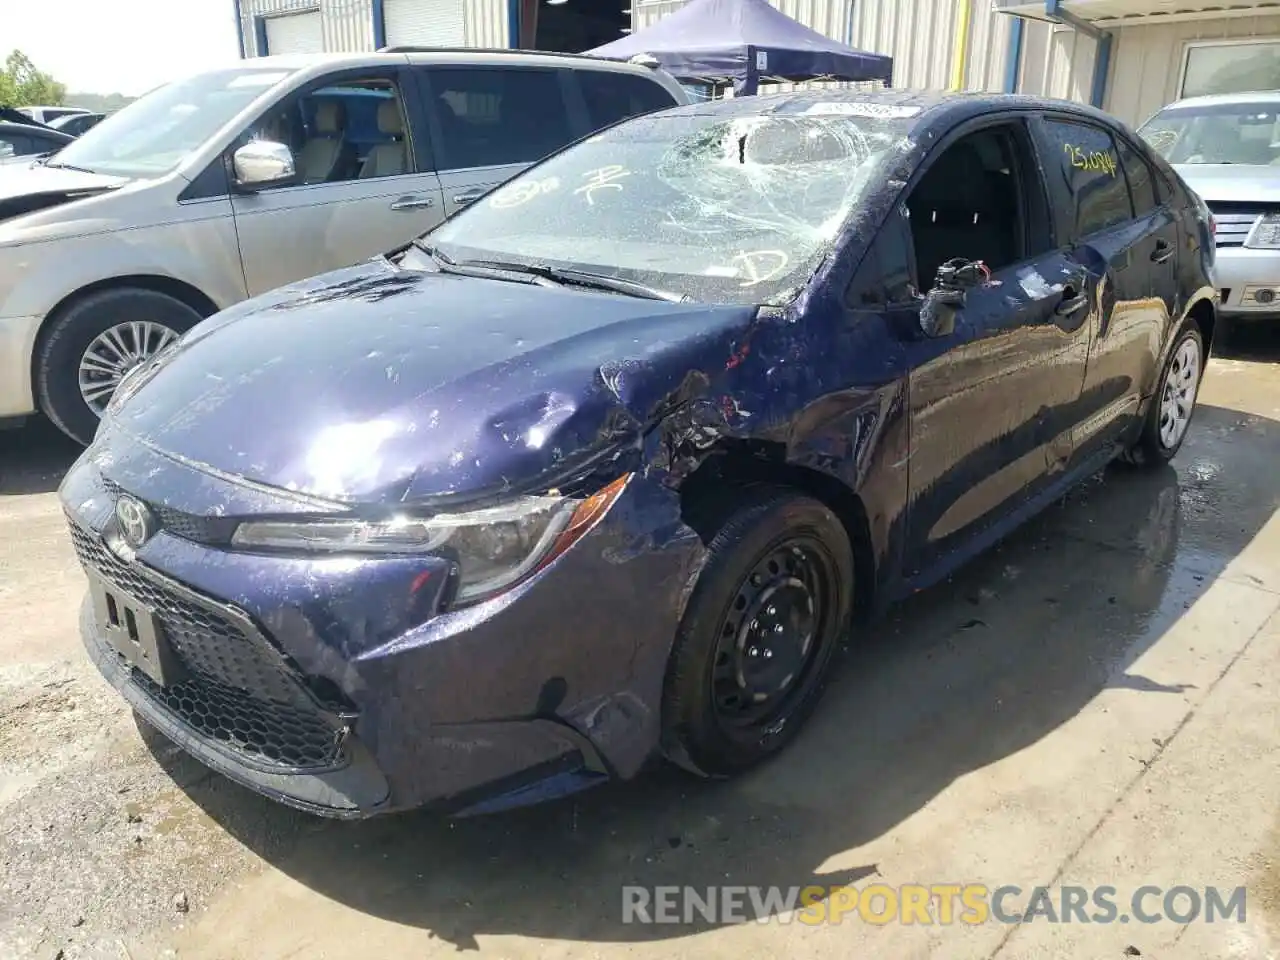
{"x": 956, "y": 678}
{"x": 34, "y": 458}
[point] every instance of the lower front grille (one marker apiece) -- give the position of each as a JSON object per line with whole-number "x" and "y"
{"x": 237, "y": 689}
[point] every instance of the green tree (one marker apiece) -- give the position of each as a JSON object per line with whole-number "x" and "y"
{"x": 22, "y": 84}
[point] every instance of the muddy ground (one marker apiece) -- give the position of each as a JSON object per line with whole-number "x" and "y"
{"x": 1093, "y": 703}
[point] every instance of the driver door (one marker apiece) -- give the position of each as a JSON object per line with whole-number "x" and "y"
{"x": 368, "y": 180}
{"x": 993, "y": 399}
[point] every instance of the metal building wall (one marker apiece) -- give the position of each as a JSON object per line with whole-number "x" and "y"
{"x": 348, "y": 24}
{"x": 1146, "y": 61}
{"x": 920, "y": 35}
{"x": 487, "y": 23}
{"x": 1146, "y": 64}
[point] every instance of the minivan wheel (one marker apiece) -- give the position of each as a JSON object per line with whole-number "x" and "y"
{"x": 90, "y": 346}
{"x": 1171, "y": 409}
{"x": 771, "y": 605}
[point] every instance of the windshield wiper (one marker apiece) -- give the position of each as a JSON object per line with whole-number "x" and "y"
{"x": 546, "y": 275}
{"x": 580, "y": 278}
{"x": 47, "y": 161}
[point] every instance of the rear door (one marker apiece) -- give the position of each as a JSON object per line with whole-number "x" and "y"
{"x": 489, "y": 123}
{"x": 1122, "y": 256}
{"x": 355, "y": 211}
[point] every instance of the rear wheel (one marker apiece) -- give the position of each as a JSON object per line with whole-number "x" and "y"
{"x": 770, "y": 607}
{"x": 90, "y": 347}
{"x": 1169, "y": 416}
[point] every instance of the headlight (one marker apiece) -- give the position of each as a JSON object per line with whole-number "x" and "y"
{"x": 494, "y": 548}
{"x": 1265, "y": 234}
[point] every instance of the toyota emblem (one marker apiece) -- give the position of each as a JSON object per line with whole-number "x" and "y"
{"x": 136, "y": 522}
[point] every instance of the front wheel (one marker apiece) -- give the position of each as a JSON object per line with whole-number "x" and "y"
{"x": 771, "y": 605}
{"x": 1174, "y": 402}
{"x": 90, "y": 347}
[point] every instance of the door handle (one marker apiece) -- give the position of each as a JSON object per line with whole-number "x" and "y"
{"x": 413, "y": 202}
{"x": 1162, "y": 252}
{"x": 1071, "y": 302}
{"x": 469, "y": 197}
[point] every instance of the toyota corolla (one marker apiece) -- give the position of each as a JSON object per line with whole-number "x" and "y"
{"x": 602, "y": 468}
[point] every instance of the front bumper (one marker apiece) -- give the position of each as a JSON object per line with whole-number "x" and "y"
{"x": 17, "y": 344}
{"x": 1248, "y": 281}
{"x": 515, "y": 700}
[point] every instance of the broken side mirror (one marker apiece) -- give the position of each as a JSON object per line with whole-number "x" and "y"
{"x": 953, "y": 281}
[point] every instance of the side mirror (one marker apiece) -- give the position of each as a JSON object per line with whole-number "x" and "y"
{"x": 954, "y": 279}
{"x": 263, "y": 163}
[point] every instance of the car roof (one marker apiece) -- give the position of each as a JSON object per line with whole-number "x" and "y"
{"x": 1227, "y": 99}
{"x": 528, "y": 58}
{"x": 27, "y": 130}
{"x": 920, "y": 109}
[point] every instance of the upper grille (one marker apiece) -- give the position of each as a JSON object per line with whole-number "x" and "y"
{"x": 237, "y": 689}
{"x": 207, "y": 530}
{"x": 1235, "y": 221}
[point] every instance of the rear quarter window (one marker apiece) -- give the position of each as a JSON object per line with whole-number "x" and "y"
{"x": 612, "y": 96}
{"x": 1084, "y": 159}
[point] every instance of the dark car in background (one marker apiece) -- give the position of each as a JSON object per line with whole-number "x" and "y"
{"x": 601, "y": 468}
{"x": 19, "y": 141}
{"x": 77, "y": 123}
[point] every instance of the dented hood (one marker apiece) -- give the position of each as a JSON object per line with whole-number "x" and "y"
{"x": 377, "y": 384}
{"x": 33, "y": 186}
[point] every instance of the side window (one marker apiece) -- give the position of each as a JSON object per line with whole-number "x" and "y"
{"x": 1142, "y": 181}
{"x": 615, "y": 96}
{"x": 978, "y": 201}
{"x": 494, "y": 117}
{"x": 353, "y": 130}
{"x": 8, "y": 146}
{"x": 1085, "y": 159}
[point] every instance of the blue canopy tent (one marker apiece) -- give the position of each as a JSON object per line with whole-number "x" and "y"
{"x": 745, "y": 42}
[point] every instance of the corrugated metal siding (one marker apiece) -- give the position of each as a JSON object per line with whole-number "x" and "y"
{"x": 486, "y": 23}
{"x": 1147, "y": 61}
{"x": 348, "y": 24}
{"x": 918, "y": 34}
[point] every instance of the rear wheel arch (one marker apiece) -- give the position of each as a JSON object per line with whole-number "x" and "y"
{"x": 1206, "y": 318}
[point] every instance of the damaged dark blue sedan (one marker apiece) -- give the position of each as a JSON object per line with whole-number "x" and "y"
{"x": 602, "y": 469}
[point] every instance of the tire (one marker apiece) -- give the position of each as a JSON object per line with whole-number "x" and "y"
{"x": 73, "y": 330}
{"x": 806, "y": 543}
{"x": 1154, "y": 446}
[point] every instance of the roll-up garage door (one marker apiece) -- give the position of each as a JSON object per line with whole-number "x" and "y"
{"x": 424, "y": 23}
{"x": 295, "y": 33}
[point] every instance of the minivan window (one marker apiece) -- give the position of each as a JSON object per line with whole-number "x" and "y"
{"x": 1244, "y": 133}
{"x": 614, "y": 96}
{"x": 1085, "y": 158}
{"x": 157, "y": 132}
{"x": 728, "y": 210}
{"x": 493, "y": 117}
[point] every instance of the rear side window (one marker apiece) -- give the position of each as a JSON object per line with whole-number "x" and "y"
{"x": 612, "y": 96}
{"x": 1142, "y": 182}
{"x": 493, "y": 117}
{"x": 1086, "y": 160}
{"x": 14, "y": 145}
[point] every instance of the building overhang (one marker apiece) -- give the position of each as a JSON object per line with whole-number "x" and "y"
{"x": 1109, "y": 14}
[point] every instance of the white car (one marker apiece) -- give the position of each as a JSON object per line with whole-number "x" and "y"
{"x": 1227, "y": 149}
{"x": 222, "y": 186}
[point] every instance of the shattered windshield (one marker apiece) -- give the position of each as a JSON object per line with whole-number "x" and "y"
{"x": 1246, "y": 133}
{"x": 720, "y": 209}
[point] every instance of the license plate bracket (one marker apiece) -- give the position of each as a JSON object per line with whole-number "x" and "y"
{"x": 133, "y": 630}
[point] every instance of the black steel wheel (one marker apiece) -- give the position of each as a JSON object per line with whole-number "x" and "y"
{"x": 771, "y": 605}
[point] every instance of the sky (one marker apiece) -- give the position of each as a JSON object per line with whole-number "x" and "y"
{"x": 119, "y": 46}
